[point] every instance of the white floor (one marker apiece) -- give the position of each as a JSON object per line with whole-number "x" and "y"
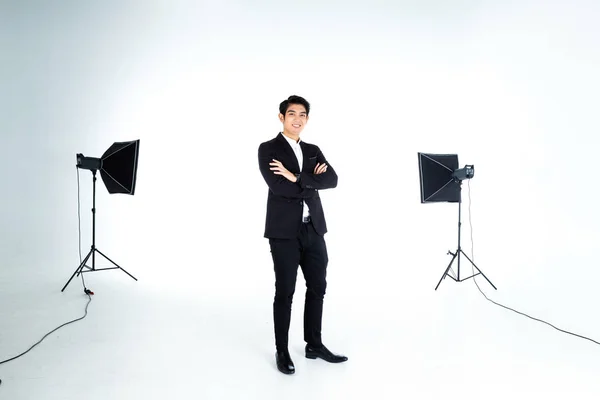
{"x": 210, "y": 339}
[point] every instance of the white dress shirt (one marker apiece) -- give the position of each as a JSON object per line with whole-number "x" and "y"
{"x": 298, "y": 151}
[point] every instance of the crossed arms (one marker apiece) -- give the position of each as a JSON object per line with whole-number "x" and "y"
{"x": 284, "y": 183}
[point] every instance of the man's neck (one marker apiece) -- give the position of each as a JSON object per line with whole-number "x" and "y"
{"x": 295, "y": 138}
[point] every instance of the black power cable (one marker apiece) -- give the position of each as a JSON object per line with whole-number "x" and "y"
{"x": 498, "y": 304}
{"x": 85, "y": 289}
{"x": 54, "y": 330}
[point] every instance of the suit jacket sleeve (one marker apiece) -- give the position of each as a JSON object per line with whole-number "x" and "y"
{"x": 277, "y": 183}
{"x": 326, "y": 180}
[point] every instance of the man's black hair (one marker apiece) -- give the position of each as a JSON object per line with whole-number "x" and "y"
{"x": 283, "y": 107}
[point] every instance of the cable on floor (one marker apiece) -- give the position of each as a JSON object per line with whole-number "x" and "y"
{"x": 85, "y": 289}
{"x": 501, "y": 305}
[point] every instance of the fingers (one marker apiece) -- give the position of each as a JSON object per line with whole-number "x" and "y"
{"x": 276, "y": 165}
{"x": 322, "y": 169}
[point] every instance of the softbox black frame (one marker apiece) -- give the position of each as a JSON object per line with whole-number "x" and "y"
{"x": 436, "y": 178}
{"x": 119, "y": 167}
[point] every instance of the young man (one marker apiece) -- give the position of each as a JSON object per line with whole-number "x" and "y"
{"x": 295, "y": 171}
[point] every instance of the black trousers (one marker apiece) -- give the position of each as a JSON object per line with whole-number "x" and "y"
{"x": 310, "y": 252}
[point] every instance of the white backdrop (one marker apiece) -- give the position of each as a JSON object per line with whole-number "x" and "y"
{"x": 511, "y": 87}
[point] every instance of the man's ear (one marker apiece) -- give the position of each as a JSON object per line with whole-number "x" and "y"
{"x": 281, "y": 117}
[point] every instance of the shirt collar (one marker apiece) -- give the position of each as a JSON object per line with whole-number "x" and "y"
{"x": 291, "y": 141}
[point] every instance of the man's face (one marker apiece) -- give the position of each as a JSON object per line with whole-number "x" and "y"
{"x": 294, "y": 119}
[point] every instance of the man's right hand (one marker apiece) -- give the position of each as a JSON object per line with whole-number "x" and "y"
{"x": 320, "y": 168}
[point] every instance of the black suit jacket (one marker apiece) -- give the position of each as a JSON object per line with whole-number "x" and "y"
{"x": 284, "y": 201}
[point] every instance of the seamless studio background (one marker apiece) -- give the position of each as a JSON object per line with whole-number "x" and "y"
{"x": 510, "y": 87}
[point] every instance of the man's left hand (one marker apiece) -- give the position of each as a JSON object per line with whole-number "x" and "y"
{"x": 278, "y": 169}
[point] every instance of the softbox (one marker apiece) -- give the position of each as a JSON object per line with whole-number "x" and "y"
{"x": 437, "y": 181}
{"x": 119, "y": 167}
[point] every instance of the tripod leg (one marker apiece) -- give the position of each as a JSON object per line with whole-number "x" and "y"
{"x": 482, "y": 274}
{"x": 115, "y": 264}
{"x": 78, "y": 269}
{"x": 84, "y": 262}
{"x": 446, "y": 272}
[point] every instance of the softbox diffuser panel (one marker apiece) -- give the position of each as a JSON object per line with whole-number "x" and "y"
{"x": 119, "y": 167}
{"x": 435, "y": 174}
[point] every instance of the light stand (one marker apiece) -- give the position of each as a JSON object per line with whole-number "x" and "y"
{"x": 118, "y": 167}
{"x": 441, "y": 181}
{"x": 93, "y": 250}
{"x": 459, "y": 251}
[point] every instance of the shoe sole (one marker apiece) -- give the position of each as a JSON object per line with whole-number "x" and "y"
{"x": 286, "y": 372}
{"x": 314, "y": 357}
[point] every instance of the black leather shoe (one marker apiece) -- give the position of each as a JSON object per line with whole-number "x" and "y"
{"x": 324, "y": 353}
{"x": 284, "y": 362}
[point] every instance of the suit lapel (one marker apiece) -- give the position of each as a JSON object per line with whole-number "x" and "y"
{"x": 305, "y": 155}
{"x": 289, "y": 152}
